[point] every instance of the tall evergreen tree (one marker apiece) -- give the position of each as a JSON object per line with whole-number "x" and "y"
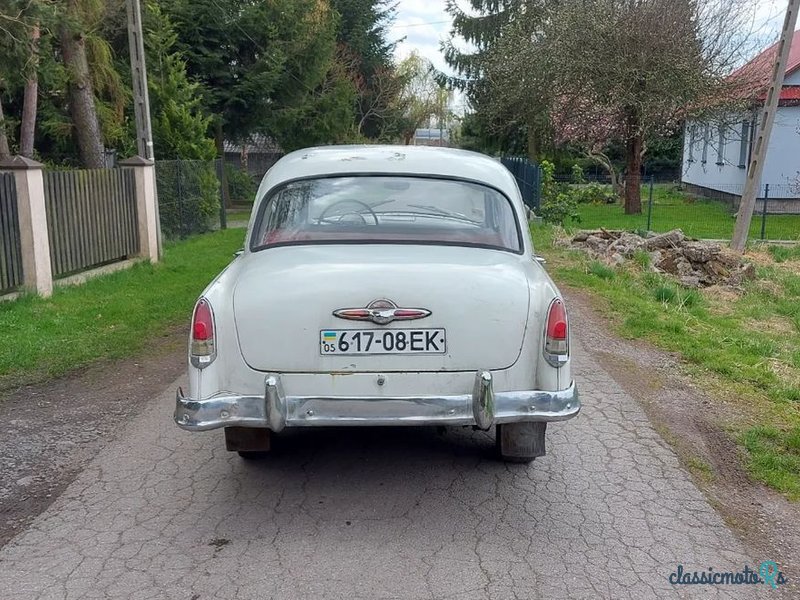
{"x": 367, "y": 53}
{"x": 180, "y": 129}
{"x": 257, "y": 62}
{"x": 482, "y": 28}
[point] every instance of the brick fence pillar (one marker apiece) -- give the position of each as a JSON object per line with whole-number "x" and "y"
{"x": 37, "y": 272}
{"x": 146, "y": 205}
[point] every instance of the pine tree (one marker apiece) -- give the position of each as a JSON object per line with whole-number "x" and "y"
{"x": 482, "y": 28}
{"x": 180, "y": 129}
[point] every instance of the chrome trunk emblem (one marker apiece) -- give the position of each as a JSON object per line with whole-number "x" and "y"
{"x": 381, "y": 312}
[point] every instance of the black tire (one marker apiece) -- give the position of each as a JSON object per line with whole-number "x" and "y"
{"x": 520, "y": 442}
{"x": 252, "y": 454}
{"x": 250, "y": 443}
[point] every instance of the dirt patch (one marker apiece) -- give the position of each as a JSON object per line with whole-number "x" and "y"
{"x": 52, "y": 429}
{"x": 693, "y": 422}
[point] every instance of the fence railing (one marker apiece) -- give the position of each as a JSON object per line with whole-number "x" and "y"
{"x": 10, "y": 251}
{"x": 529, "y": 179}
{"x": 91, "y": 218}
{"x": 698, "y": 213}
{"x": 188, "y": 196}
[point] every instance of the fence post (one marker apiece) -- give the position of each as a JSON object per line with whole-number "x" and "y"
{"x": 37, "y": 273}
{"x": 650, "y": 205}
{"x": 144, "y": 175}
{"x": 223, "y": 214}
{"x": 764, "y": 213}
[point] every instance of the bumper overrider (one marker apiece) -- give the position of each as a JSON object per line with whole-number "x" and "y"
{"x": 275, "y": 410}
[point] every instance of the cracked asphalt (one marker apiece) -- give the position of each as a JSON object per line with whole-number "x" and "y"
{"x": 380, "y": 513}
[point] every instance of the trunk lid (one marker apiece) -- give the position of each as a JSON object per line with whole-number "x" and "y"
{"x": 285, "y": 297}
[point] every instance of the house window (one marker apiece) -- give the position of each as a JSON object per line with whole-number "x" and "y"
{"x": 721, "y": 144}
{"x": 692, "y": 129}
{"x": 743, "y": 148}
{"x": 705, "y": 144}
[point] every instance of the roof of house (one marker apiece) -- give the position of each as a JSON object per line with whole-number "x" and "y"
{"x": 757, "y": 73}
{"x": 255, "y": 143}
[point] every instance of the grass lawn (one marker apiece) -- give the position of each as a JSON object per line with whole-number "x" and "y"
{"x": 112, "y": 316}
{"x": 746, "y": 347}
{"x": 672, "y": 208}
{"x": 238, "y": 214}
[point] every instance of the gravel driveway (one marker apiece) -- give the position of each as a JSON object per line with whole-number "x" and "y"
{"x": 381, "y": 513}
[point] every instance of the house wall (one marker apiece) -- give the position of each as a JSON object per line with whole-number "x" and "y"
{"x": 711, "y": 168}
{"x": 793, "y": 79}
{"x": 782, "y": 166}
{"x": 726, "y": 172}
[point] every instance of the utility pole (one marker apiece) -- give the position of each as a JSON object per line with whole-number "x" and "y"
{"x": 141, "y": 97}
{"x": 756, "y": 167}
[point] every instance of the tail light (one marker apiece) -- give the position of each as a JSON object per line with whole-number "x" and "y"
{"x": 556, "y": 334}
{"x": 202, "y": 350}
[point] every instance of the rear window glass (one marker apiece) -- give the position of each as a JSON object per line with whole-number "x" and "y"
{"x": 387, "y": 210}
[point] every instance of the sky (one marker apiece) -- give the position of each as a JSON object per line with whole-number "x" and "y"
{"x": 424, "y": 24}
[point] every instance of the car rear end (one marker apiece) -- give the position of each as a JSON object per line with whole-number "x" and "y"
{"x": 381, "y": 312}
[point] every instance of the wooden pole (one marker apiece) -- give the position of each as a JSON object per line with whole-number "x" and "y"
{"x": 756, "y": 167}
{"x": 141, "y": 97}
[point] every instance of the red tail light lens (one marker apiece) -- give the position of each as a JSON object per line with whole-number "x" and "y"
{"x": 556, "y": 339}
{"x": 202, "y": 349}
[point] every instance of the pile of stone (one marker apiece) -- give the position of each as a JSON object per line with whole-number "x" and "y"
{"x": 692, "y": 262}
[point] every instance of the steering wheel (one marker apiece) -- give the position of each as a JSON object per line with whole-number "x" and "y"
{"x": 324, "y": 215}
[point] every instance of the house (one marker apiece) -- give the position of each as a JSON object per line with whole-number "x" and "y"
{"x": 431, "y": 137}
{"x": 255, "y": 155}
{"x": 717, "y": 150}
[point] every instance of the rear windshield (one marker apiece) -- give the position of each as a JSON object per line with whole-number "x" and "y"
{"x": 383, "y": 209}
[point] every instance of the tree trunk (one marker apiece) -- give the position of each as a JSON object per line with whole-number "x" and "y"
{"x": 5, "y": 151}
{"x": 220, "y": 141}
{"x": 80, "y": 96}
{"x": 30, "y": 102}
{"x": 533, "y": 145}
{"x": 633, "y": 191}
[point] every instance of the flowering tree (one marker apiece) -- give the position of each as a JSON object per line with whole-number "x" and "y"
{"x": 597, "y": 71}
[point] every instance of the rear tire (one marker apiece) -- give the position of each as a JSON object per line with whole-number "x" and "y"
{"x": 251, "y": 443}
{"x": 520, "y": 442}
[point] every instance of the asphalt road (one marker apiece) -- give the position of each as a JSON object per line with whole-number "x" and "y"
{"x": 381, "y": 513}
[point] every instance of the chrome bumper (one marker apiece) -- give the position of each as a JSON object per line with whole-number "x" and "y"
{"x": 275, "y": 410}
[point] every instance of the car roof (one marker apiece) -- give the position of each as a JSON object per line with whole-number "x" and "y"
{"x": 409, "y": 160}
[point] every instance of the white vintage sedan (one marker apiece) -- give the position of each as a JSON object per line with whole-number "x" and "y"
{"x": 382, "y": 285}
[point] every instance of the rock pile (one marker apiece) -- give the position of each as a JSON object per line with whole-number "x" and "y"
{"x": 694, "y": 263}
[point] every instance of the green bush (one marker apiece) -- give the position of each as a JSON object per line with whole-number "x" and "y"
{"x": 240, "y": 185}
{"x": 559, "y": 201}
{"x": 188, "y": 196}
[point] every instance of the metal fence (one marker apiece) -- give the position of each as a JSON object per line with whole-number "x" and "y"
{"x": 188, "y": 196}
{"x": 529, "y": 179}
{"x": 91, "y": 218}
{"x": 10, "y": 251}
{"x": 701, "y": 213}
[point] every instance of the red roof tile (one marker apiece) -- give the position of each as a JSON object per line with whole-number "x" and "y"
{"x": 759, "y": 70}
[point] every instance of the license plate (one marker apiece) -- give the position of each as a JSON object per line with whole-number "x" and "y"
{"x": 386, "y": 341}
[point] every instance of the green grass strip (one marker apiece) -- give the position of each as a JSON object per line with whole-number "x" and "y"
{"x": 111, "y": 316}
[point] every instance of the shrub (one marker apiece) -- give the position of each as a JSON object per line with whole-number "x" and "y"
{"x": 188, "y": 196}
{"x": 559, "y": 202}
{"x": 240, "y": 185}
